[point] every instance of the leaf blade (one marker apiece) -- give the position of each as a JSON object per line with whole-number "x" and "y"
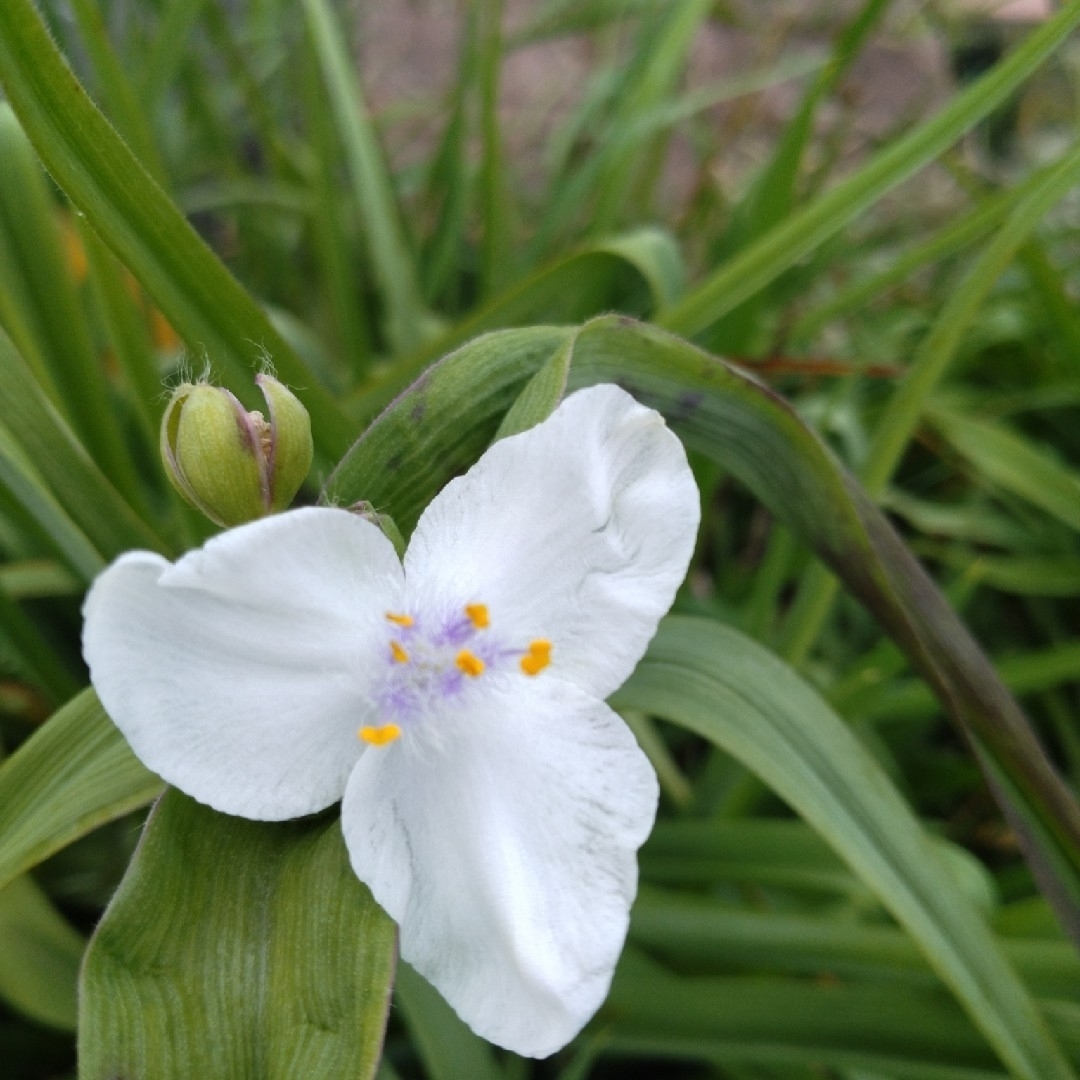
{"x": 726, "y": 688}
{"x": 289, "y": 923}
{"x": 131, "y": 213}
{"x": 73, "y": 774}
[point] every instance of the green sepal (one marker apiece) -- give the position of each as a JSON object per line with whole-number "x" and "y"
{"x": 291, "y": 446}
{"x": 541, "y": 395}
{"x": 384, "y": 522}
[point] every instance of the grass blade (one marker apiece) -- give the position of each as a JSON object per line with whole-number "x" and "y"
{"x": 900, "y": 419}
{"x": 72, "y": 775}
{"x": 392, "y": 263}
{"x": 41, "y": 955}
{"x": 801, "y": 232}
{"x": 733, "y": 692}
{"x": 101, "y": 176}
{"x": 82, "y": 489}
{"x": 53, "y": 308}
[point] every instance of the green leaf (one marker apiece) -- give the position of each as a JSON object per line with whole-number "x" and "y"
{"x": 1040, "y": 194}
{"x": 751, "y": 432}
{"x": 39, "y": 956}
{"x": 936, "y": 352}
{"x": 448, "y": 1048}
{"x": 125, "y": 323}
{"x": 804, "y": 230}
{"x": 1035, "y": 575}
{"x": 657, "y": 62}
{"x": 952, "y": 237}
{"x": 392, "y": 262}
{"x": 497, "y": 252}
{"x": 731, "y": 691}
{"x": 333, "y": 237}
{"x": 100, "y": 175}
{"x": 406, "y": 455}
{"x": 558, "y": 18}
{"x": 35, "y": 654}
{"x": 166, "y": 55}
{"x": 773, "y": 192}
{"x": 1015, "y": 464}
{"x": 782, "y": 854}
{"x": 43, "y": 515}
{"x": 72, "y": 775}
{"x": 701, "y": 934}
{"x": 770, "y": 198}
{"x": 36, "y": 578}
{"x": 784, "y": 1024}
{"x": 778, "y": 852}
{"x": 1023, "y": 673}
{"x": 578, "y": 181}
{"x": 773, "y": 853}
{"x": 236, "y": 949}
{"x": 121, "y": 102}
{"x": 596, "y": 278}
{"x": 81, "y": 488}
{"x": 51, "y": 306}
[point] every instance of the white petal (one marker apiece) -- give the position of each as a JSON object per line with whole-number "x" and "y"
{"x": 240, "y": 674}
{"x": 505, "y": 849}
{"x": 577, "y": 531}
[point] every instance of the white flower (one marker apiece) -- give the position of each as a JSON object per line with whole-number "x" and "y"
{"x": 492, "y": 802}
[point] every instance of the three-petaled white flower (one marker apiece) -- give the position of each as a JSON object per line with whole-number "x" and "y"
{"x": 492, "y": 802}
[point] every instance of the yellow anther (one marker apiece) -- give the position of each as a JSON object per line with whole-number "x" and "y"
{"x": 399, "y": 654}
{"x": 537, "y": 658}
{"x": 469, "y": 663}
{"x": 478, "y": 615}
{"x": 380, "y": 736}
{"x": 399, "y": 620}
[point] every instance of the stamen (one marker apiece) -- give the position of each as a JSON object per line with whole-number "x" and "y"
{"x": 399, "y": 654}
{"x": 380, "y": 736}
{"x": 478, "y": 615}
{"x": 537, "y": 658}
{"x": 399, "y": 620}
{"x": 469, "y": 663}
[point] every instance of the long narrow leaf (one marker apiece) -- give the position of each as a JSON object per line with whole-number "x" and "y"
{"x": 101, "y": 176}
{"x": 937, "y": 351}
{"x": 801, "y": 232}
{"x": 74, "y": 774}
{"x": 392, "y": 262}
{"x": 81, "y": 488}
{"x": 37, "y": 659}
{"x": 120, "y": 99}
{"x": 703, "y": 934}
{"x": 783, "y": 1025}
{"x": 731, "y": 691}
{"x": 28, "y": 218}
{"x": 598, "y": 277}
{"x": 39, "y": 955}
{"x": 42, "y": 516}
{"x": 448, "y": 1048}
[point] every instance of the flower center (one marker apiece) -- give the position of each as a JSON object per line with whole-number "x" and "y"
{"x": 432, "y": 662}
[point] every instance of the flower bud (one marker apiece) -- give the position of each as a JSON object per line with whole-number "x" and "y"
{"x": 231, "y": 464}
